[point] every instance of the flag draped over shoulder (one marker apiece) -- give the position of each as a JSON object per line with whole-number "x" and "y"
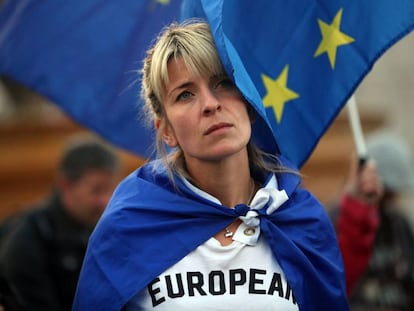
{"x": 84, "y": 57}
{"x": 132, "y": 243}
{"x": 304, "y": 57}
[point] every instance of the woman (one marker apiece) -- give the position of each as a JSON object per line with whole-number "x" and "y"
{"x": 216, "y": 223}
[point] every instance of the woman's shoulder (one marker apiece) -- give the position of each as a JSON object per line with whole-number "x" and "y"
{"x": 150, "y": 172}
{"x": 141, "y": 186}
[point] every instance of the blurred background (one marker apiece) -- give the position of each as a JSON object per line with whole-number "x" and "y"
{"x": 33, "y": 131}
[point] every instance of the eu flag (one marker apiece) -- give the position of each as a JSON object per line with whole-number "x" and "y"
{"x": 84, "y": 57}
{"x": 305, "y": 58}
{"x": 296, "y": 61}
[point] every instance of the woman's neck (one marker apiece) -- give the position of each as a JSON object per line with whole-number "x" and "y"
{"x": 228, "y": 180}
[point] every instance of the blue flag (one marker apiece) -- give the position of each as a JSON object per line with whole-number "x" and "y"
{"x": 132, "y": 243}
{"x": 84, "y": 57}
{"x": 305, "y": 58}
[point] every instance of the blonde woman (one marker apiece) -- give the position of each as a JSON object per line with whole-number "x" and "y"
{"x": 215, "y": 223}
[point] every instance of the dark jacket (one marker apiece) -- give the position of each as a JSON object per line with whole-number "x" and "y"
{"x": 42, "y": 255}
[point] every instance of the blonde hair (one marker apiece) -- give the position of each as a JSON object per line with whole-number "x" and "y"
{"x": 193, "y": 42}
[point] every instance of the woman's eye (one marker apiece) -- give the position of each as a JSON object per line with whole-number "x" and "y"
{"x": 225, "y": 83}
{"x": 183, "y": 95}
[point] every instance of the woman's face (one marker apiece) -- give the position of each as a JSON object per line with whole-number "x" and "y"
{"x": 206, "y": 117}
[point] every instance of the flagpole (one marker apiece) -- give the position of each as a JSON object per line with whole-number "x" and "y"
{"x": 357, "y": 129}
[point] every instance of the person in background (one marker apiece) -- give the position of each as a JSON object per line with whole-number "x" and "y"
{"x": 375, "y": 238}
{"x": 216, "y": 223}
{"x": 42, "y": 254}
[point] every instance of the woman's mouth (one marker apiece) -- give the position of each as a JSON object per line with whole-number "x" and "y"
{"x": 216, "y": 127}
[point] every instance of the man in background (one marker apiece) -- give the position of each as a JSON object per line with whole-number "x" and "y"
{"x": 41, "y": 256}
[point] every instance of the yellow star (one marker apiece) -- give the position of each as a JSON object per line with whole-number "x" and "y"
{"x": 332, "y": 37}
{"x": 278, "y": 93}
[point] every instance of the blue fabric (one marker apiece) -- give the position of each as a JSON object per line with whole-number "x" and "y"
{"x": 273, "y": 36}
{"x": 84, "y": 56}
{"x": 148, "y": 227}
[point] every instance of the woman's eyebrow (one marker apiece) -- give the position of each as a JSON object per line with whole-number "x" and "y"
{"x": 179, "y": 87}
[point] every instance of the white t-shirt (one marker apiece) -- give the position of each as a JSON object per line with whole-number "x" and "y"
{"x": 215, "y": 277}
{"x": 238, "y": 276}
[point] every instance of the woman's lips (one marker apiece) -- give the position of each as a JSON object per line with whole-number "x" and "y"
{"x": 216, "y": 127}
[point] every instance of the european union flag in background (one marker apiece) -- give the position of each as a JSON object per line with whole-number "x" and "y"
{"x": 84, "y": 57}
{"x": 305, "y": 58}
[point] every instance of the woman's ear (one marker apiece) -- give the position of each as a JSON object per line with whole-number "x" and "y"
{"x": 167, "y": 133}
{"x": 170, "y": 139}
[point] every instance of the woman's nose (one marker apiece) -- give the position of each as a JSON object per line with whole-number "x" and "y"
{"x": 211, "y": 103}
